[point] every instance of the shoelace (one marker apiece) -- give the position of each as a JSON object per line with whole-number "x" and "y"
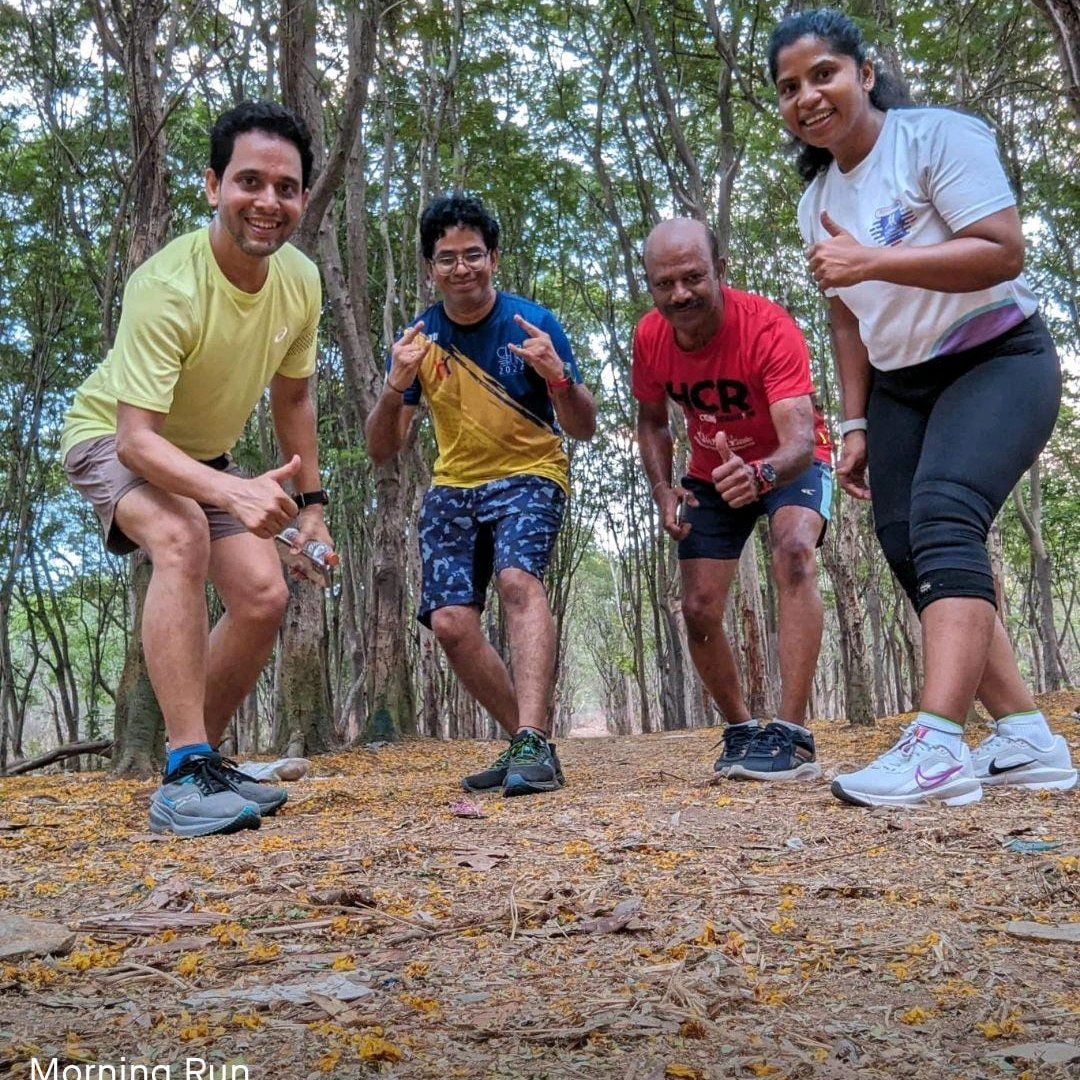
{"x": 904, "y": 747}
{"x": 530, "y": 750}
{"x": 210, "y": 778}
{"x": 738, "y": 737}
{"x": 774, "y": 736}
{"x": 232, "y": 768}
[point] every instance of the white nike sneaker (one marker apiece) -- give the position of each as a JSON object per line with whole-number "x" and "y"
{"x": 912, "y": 772}
{"x": 288, "y": 768}
{"x": 1008, "y": 760}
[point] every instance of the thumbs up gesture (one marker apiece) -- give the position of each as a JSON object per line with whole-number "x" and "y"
{"x": 733, "y": 479}
{"x": 260, "y": 503}
{"x": 841, "y": 260}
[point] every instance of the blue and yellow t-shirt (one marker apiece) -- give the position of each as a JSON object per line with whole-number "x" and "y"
{"x": 493, "y": 415}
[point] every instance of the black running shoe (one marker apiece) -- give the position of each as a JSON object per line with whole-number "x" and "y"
{"x": 737, "y": 739}
{"x": 495, "y": 777}
{"x": 532, "y": 767}
{"x": 778, "y": 752}
{"x": 487, "y": 779}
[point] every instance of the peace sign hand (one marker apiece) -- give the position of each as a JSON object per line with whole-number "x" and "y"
{"x": 538, "y": 351}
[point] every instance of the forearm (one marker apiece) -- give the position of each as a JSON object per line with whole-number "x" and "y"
{"x": 657, "y": 449}
{"x": 297, "y": 433}
{"x": 852, "y": 360}
{"x": 383, "y": 431}
{"x": 157, "y": 461}
{"x": 575, "y": 409}
{"x": 791, "y": 459}
{"x": 963, "y": 264}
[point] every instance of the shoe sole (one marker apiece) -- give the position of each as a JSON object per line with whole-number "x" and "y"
{"x": 516, "y": 785}
{"x": 270, "y": 809}
{"x": 1034, "y": 780}
{"x": 248, "y": 818}
{"x": 476, "y": 789}
{"x": 809, "y": 770}
{"x": 914, "y": 799}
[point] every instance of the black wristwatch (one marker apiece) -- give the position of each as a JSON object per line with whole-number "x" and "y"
{"x": 311, "y": 498}
{"x": 765, "y": 476}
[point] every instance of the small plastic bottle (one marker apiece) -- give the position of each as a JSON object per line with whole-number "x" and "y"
{"x": 316, "y": 560}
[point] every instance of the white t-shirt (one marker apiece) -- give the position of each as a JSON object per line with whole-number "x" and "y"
{"x": 931, "y": 173}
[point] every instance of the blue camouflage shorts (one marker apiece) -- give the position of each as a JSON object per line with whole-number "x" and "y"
{"x": 467, "y": 534}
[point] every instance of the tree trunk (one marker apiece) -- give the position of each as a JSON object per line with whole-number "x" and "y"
{"x": 840, "y": 553}
{"x": 302, "y": 708}
{"x": 139, "y": 731}
{"x": 1064, "y": 19}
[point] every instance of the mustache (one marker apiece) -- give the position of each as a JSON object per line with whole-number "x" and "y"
{"x": 686, "y": 305}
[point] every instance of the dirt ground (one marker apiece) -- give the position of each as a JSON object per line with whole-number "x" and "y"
{"x": 637, "y": 924}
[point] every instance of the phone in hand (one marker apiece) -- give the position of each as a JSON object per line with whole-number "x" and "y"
{"x": 680, "y": 509}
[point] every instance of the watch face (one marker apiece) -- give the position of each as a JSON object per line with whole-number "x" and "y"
{"x": 768, "y": 473}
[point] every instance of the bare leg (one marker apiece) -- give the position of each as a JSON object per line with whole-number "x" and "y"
{"x": 957, "y": 635}
{"x": 1002, "y": 690}
{"x": 795, "y": 531}
{"x": 531, "y": 629}
{"x": 706, "y": 584}
{"x": 174, "y": 532}
{"x": 247, "y": 573}
{"x": 476, "y": 663}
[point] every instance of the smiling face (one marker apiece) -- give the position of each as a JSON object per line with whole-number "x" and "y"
{"x": 685, "y": 281}
{"x": 259, "y": 200}
{"x": 465, "y": 284}
{"x": 825, "y": 99}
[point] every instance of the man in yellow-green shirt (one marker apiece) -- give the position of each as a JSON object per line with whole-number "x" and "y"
{"x": 208, "y": 323}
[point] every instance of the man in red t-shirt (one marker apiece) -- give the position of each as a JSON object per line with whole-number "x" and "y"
{"x": 739, "y": 367}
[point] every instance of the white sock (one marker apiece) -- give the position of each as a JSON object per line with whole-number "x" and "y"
{"x": 937, "y": 731}
{"x": 790, "y": 724}
{"x": 752, "y": 722}
{"x": 1029, "y": 726}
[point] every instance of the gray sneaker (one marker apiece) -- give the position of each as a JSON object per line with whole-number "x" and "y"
{"x": 196, "y": 799}
{"x": 267, "y": 798}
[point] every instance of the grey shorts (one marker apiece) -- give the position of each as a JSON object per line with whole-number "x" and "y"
{"x": 98, "y": 475}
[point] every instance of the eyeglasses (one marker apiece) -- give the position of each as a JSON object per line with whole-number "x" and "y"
{"x": 446, "y": 263}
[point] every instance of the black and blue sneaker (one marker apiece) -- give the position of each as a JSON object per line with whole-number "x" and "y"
{"x": 495, "y": 776}
{"x": 489, "y": 778}
{"x": 778, "y": 752}
{"x": 532, "y": 766}
{"x": 736, "y": 739}
{"x": 198, "y": 799}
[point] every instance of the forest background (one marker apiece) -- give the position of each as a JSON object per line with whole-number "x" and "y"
{"x": 581, "y": 125}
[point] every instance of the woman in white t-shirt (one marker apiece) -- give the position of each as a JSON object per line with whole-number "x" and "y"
{"x": 950, "y": 383}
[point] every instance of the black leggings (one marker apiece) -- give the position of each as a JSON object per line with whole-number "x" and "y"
{"x": 947, "y": 442}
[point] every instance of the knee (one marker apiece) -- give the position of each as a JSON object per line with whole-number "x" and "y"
{"x": 180, "y": 544}
{"x": 704, "y": 615}
{"x": 454, "y": 626}
{"x": 520, "y": 592}
{"x": 946, "y": 515}
{"x": 262, "y": 602}
{"x": 794, "y": 563}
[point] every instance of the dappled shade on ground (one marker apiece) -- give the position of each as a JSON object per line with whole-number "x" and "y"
{"x": 636, "y": 924}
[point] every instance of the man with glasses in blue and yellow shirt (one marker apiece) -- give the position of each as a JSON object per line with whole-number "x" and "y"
{"x": 503, "y": 388}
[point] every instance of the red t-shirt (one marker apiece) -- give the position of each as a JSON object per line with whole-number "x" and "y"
{"x": 757, "y": 357}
